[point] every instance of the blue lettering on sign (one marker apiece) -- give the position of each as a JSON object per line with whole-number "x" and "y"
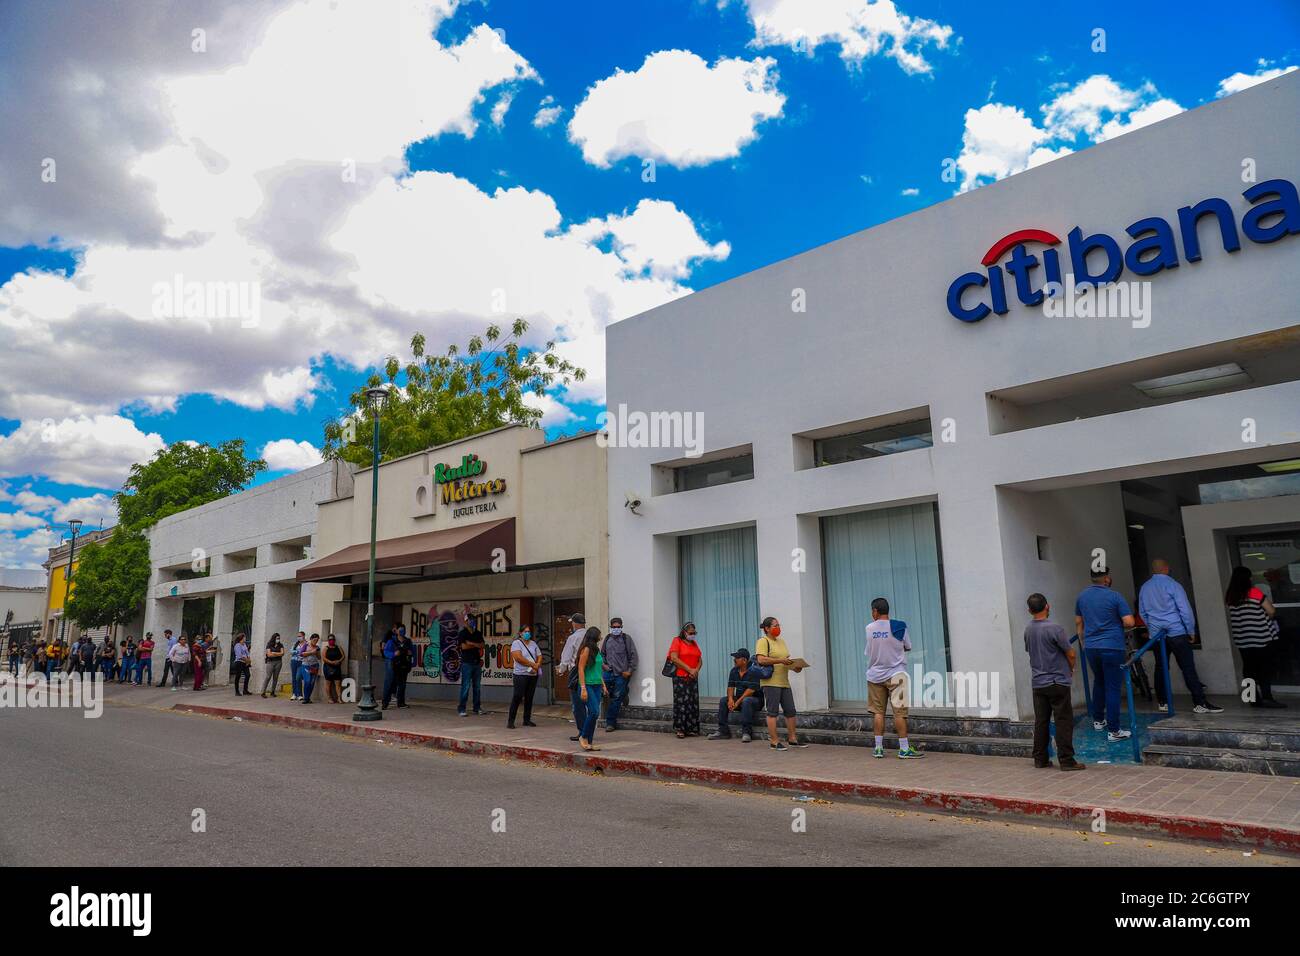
{"x": 1097, "y": 259}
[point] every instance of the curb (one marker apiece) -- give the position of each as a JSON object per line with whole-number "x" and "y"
{"x": 1062, "y": 812}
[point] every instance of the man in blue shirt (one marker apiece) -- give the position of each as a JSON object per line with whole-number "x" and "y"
{"x": 1100, "y": 617}
{"x": 1163, "y": 604}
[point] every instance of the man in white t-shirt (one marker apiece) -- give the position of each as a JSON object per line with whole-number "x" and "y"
{"x": 886, "y": 653}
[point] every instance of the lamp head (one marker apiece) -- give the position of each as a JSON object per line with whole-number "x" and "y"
{"x": 376, "y": 396}
{"x": 75, "y": 525}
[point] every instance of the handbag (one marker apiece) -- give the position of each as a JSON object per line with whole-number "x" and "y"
{"x": 764, "y": 671}
{"x": 669, "y": 669}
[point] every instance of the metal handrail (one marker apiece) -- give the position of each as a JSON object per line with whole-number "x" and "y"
{"x": 1157, "y": 637}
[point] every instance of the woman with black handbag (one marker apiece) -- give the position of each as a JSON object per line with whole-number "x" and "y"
{"x": 686, "y": 659}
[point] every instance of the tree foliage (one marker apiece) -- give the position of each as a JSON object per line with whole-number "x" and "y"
{"x": 183, "y": 476}
{"x": 450, "y": 395}
{"x": 110, "y": 580}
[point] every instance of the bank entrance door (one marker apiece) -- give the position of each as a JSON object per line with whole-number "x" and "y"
{"x": 561, "y": 628}
{"x": 1274, "y": 559}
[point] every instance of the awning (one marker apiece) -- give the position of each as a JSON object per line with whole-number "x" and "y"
{"x": 466, "y": 548}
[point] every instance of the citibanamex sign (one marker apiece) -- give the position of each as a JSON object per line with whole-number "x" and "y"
{"x": 1274, "y": 213}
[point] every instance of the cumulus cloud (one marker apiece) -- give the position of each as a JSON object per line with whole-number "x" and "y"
{"x": 1000, "y": 140}
{"x": 1244, "y": 81}
{"x": 861, "y": 28}
{"x": 285, "y": 454}
{"x": 26, "y": 551}
{"x": 93, "y": 510}
{"x": 20, "y": 521}
{"x": 554, "y": 412}
{"x": 97, "y": 452}
{"x": 677, "y": 109}
{"x": 547, "y": 112}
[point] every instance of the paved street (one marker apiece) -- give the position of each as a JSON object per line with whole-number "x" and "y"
{"x": 271, "y": 796}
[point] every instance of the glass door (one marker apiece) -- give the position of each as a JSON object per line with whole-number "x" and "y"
{"x": 1274, "y": 559}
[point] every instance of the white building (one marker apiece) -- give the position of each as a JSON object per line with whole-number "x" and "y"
{"x": 251, "y": 544}
{"x": 861, "y": 440}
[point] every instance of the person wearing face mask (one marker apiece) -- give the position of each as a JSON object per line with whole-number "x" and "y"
{"x": 274, "y": 660}
{"x": 527, "y": 658}
{"x": 568, "y": 667}
{"x": 686, "y": 654}
{"x": 772, "y": 652}
{"x": 310, "y": 667}
{"x": 332, "y": 660}
{"x": 295, "y": 664}
{"x": 620, "y": 661}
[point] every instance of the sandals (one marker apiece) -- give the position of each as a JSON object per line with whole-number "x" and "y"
{"x": 586, "y": 746}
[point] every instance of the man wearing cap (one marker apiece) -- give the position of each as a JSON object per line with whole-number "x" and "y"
{"x": 1100, "y": 617}
{"x": 743, "y": 696}
{"x": 568, "y": 666}
{"x": 620, "y": 661}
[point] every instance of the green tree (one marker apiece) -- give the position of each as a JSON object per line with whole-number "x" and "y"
{"x": 449, "y": 396}
{"x": 183, "y": 476}
{"x": 110, "y": 580}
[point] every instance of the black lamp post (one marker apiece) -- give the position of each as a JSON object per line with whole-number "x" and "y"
{"x": 75, "y": 525}
{"x": 368, "y": 709}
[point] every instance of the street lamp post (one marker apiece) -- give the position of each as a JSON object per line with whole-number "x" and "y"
{"x": 368, "y": 709}
{"x": 75, "y": 525}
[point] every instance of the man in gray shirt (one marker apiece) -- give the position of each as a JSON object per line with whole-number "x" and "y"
{"x": 568, "y": 666}
{"x": 1051, "y": 662}
{"x": 620, "y": 662}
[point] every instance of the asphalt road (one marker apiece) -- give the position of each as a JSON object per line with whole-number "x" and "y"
{"x": 273, "y": 796}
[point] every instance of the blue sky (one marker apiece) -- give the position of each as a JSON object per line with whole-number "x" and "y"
{"x": 773, "y": 128}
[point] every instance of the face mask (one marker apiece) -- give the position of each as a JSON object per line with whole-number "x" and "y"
{"x": 331, "y": 643}
{"x": 616, "y": 630}
{"x": 775, "y": 630}
{"x": 528, "y": 636}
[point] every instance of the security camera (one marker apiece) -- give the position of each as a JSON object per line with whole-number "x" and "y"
{"x": 633, "y": 502}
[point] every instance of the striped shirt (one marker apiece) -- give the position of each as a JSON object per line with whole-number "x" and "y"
{"x": 1249, "y": 622}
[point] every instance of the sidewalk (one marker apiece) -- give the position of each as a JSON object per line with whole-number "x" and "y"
{"x": 1232, "y": 808}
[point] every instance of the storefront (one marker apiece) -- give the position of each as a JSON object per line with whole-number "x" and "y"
{"x": 902, "y": 413}
{"x": 490, "y": 533}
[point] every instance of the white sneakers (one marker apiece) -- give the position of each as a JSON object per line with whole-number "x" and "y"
{"x": 1115, "y": 735}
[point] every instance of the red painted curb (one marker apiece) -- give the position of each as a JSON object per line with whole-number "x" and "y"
{"x": 1194, "y": 828}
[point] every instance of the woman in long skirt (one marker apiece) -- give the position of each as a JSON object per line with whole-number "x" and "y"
{"x": 685, "y": 653}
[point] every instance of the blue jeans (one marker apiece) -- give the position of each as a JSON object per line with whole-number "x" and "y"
{"x": 390, "y": 682}
{"x": 295, "y": 674}
{"x": 471, "y": 675}
{"x": 13, "y": 664}
{"x": 750, "y": 706}
{"x": 1180, "y": 650}
{"x": 1107, "y": 682}
{"x": 579, "y": 708}
{"x": 108, "y": 670}
{"x": 617, "y": 685}
{"x": 308, "y": 683}
{"x": 594, "y": 692}
{"x": 142, "y": 665}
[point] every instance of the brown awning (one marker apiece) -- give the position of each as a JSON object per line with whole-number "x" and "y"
{"x": 452, "y": 549}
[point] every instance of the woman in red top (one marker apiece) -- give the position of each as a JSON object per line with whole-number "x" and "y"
{"x": 1252, "y": 623}
{"x": 197, "y": 655}
{"x": 685, "y": 653}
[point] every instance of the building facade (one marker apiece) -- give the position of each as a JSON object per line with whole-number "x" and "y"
{"x": 896, "y": 414}
{"x": 235, "y": 561}
{"x": 492, "y": 532}
{"x": 58, "y": 588}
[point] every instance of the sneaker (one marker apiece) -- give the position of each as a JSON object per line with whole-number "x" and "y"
{"x": 609, "y": 729}
{"x": 878, "y": 752}
{"x": 1163, "y": 708}
{"x": 1074, "y": 766}
{"x": 779, "y": 746}
{"x": 1099, "y": 725}
{"x": 910, "y": 754}
{"x": 746, "y": 738}
{"x": 478, "y": 713}
{"x": 459, "y": 713}
{"x": 717, "y": 736}
{"x": 1207, "y": 708}
{"x": 796, "y": 743}
{"x": 1115, "y": 735}
{"x": 295, "y": 697}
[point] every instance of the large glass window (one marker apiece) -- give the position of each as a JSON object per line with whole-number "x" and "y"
{"x": 891, "y": 553}
{"x": 872, "y": 443}
{"x": 719, "y": 593}
{"x": 709, "y": 473}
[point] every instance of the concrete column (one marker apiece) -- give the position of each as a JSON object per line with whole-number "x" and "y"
{"x": 275, "y": 609}
{"x": 160, "y": 614}
{"x": 223, "y": 626}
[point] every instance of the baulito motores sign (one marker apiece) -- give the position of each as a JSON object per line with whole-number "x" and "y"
{"x": 434, "y": 629}
{"x": 459, "y": 489}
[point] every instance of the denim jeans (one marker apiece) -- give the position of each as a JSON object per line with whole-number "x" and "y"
{"x": 594, "y": 692}
{"x": 126, "y": 671}
{"x": 142, "y": 665}
{"x": 576, "y": 702}
{"x": 308, "y": 684}
{"x": 1180, "y": 649}
{"x": 13, "y": 664}
{"x": 295, "y": 675}
{"x": 1107, "y": 682}
{"x": 471, "y": 675}
{"x": 750, "y": 706}
{"x": 617, "y": 686}
{"x": 390, "y": 682}
{"x": 107, "y": 665}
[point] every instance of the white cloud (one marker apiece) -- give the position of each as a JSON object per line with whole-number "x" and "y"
{"x": 1001, "y": 140}
{"x": 553, "y": 411}
{"x": 547, "y": 112}
{"x": 26, "y": 551}
{"x": 501, "y": 107}
{"x": 285, "y": 454}
{"x": 862, "y": 28}
{"x": 657, "y": 239}
{"x": 28, "y": 500}
{"x": 97, "y": 452}
{"x": 92, "y": 510}
{"x": 677, "y": 109}
{"x": 1244, "y": 81}
{"x": 20, "y": 521}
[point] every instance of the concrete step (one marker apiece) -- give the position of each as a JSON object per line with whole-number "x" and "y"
{"x": 921, "y": 724}
{"x": 939, "y": 743}
{"x": 1208, "y": 736}
{"x": 1273, "y": 762}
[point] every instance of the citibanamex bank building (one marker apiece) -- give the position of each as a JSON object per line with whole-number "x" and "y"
{"x": 904, "y": 413}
